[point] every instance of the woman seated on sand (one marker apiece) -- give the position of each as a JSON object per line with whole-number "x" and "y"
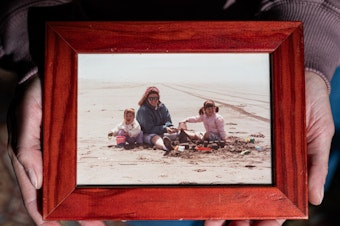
{"x": 155, "y": 121}
{"x": 212, "y": 121}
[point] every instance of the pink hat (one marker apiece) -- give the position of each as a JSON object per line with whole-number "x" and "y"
{"x": 151, "y": 89}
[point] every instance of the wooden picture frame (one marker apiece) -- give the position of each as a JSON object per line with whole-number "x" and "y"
{"x": 285, "y": 198}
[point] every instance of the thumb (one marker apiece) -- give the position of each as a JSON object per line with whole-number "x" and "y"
{"x": 28, "y": 147}
{"x": 31, "y": 160}
{"x": 320, "y": 130}
{"x": 214, "y": 223}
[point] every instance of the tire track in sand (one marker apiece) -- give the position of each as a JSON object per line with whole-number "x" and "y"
{"x": 233, "y": 107}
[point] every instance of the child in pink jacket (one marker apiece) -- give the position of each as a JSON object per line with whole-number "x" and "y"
{"x": 212, "y": 121}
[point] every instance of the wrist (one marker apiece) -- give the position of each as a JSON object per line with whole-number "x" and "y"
{"x": 314, "y": 74}
{"x": 316, "y": 83}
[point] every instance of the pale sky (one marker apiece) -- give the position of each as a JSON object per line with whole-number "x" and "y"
{"x": 168, "y": 67}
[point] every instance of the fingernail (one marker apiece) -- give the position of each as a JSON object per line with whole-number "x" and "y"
{"x": 33, "y": 178}
{"x": 321, "y": 194}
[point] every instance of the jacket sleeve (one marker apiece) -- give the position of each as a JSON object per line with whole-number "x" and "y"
{"x": 167, "y": 117}
{"x": 194, "y": 119}
{"x": 116, "y": 129}
{"x": 321, "y": 21}
{"x": 15, "y": 41}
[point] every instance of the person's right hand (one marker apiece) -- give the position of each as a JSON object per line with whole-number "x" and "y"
{"x": 26, "y": 157}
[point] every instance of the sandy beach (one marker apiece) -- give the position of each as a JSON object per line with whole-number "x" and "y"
{"x": 245, "y": 108}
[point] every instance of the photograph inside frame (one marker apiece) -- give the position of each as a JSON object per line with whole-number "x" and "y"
{"x": 112, "y": 89}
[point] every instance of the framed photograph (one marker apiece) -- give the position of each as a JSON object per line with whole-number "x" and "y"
{"x": 233, "y": 141}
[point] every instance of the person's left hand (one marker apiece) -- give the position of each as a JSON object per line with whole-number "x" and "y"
{"x": 171, "y": 130}
{"x": 320, "y": 131}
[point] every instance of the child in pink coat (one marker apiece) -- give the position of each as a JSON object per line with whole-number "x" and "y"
{"x": 212, "y": 121}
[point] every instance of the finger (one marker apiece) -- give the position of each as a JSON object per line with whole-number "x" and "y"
{"x": 318, "y": 168}
{"x": 29, "y": 122}
{"x": 91, "y": 223}
{"x": 241, "y": 223}
{"x": 275, "y": 222}
{"x": 29, "y": 192}
{"x": 269, "y": 223}
{"x": 214, "y": 223}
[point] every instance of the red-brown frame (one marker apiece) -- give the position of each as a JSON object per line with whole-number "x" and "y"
{"x": 286, "y": 198}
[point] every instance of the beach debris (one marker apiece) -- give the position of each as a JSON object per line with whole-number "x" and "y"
{"x": 203, "y": 148}
{"x": 128, "y": 164}
{"x": 250, "y": 140}
{"x": 181, "y": 148}
{"x": 221, "y": 143}
{"x": 185, "y": 145}
{"x": 190, "y": 148}
{"x": 258, "y": 135}
{"x": 245, "y": 152}
{"x": 200, "y": 170}
{"x": 250, "y": 166}
{"x": 215, "y": 146}
{"x": 205, "y": 143}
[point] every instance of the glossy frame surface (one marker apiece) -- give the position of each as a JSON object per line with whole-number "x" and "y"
{"x": 286, "y": 198}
